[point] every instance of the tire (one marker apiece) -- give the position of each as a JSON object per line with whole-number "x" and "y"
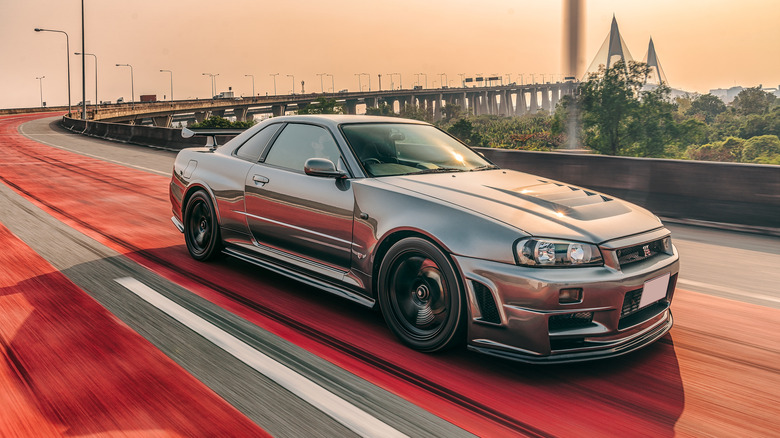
{"x": 201, "y": 229}
{"x": 420, "y": 296}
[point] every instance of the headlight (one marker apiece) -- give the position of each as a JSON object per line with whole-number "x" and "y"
{"x": 551, "y": 253}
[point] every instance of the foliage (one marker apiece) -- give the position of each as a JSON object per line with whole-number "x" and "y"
{"x": 527, "y": 132}
{"x": 383, "y": 109}
{"x": 729, "y": 150}
{"x": 221, "y": 122}
{"x": 322, "y": 105}
{"x": 651, "y": 126}
{"x": 706, "y": 105}
{"x": 608, "y": 101}
{"x": 763, "y": 149}
{"x": 753, "y": 101}
{"x": 417, "y": 113}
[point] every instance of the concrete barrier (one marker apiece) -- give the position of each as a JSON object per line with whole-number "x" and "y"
{"x": 747, "y": 195}
{"x": 164, "y": 138}
{"x": 730, "y": 193}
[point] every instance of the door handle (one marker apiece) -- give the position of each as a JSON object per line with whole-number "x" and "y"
{"x": 260, "y": 179}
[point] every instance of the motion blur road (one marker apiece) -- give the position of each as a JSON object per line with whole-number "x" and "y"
{"x": 109, "y": 327}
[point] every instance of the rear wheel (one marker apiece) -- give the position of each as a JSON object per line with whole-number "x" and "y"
{"x": 201, "y": 229}
{"x": 420, "y": 296}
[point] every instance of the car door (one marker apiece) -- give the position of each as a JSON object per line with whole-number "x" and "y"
{"x": 305, "y": 217}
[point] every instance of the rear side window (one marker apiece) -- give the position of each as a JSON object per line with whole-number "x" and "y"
{"x": 297, "y": 143}
{"x": 253, "y": 148}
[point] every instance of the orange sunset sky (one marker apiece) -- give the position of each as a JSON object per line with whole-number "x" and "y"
{"x": 701, "y": 44}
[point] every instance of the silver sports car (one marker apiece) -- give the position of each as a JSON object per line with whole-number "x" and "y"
{"x": 398, "y": 214}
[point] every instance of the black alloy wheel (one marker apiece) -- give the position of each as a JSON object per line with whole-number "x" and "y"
{"x": 201, "y": 229}
{"x": 420, "y": 296}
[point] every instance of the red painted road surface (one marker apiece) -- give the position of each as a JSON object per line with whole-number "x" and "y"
{"x": 716, "y": 374}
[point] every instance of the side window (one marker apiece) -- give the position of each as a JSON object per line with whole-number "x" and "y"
{"x": 297, "y": 143}
{"x": 254, "y": 147}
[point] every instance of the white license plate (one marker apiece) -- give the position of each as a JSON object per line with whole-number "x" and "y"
{"x": 654, "y": 290}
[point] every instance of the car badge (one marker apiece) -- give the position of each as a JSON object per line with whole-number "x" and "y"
{"x": 646, "y": 249}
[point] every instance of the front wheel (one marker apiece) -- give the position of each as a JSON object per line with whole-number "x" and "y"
{"x": 420, "y": 296}
{"x": 201, "y": 229}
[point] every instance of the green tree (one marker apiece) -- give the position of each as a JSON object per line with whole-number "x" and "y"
{"x": 753, "y": 101}
{"x": 383, "y": 109}
{"x": 322, "y": 105}
{"x": 762, "y": 149}
{"x": 652, "y": 125}
{"x": 607, "y": 102}
{"x": 221, "y": 122}
{"x": 729, "y": 150}
{"x": 708, "y": 106}
{"x": 417, "y": 113}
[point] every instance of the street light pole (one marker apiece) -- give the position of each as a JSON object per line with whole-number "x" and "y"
{"x": 400, "y": 80}
{"x": 426, "y": 79}
{"x": 322, "y": 90}
{"x": 274, "y": 76}
{"x": 96, "y": 76}
{"x": 332, "y": 83}
{"x": 161, "y": 71}
{"x": 253, "y": 84}
{"x": 67, "y": 56}
{"x": 443, "y": 80}
{"x": 360, "y": 86}
{"x": 132, "y": 83}
{"x": 293, "y": 82}
{"x": 84, "y": 70}
{"x": 40, "y": 81}
{"x": 462, "y": 79}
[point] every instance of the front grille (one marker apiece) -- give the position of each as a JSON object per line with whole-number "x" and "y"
{"x": 631, "y": 302}
{"x": 637, "y": 253}
{"x": 486, "y": 303}
{"x": 570, "y": 321}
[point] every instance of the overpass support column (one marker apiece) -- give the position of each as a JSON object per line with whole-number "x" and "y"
{"x": 351, "y": 106}
{"x": 521, "y": 107}
{"x": 201, "y": 116}
{"x": 437, "y": 113}
{"x": 371, "y": 102}
{"x": 546, "y": 99}
{"x": 534, "y": 101}
{"x": 503, "y": 106}
{"x": 162, "y": 121}
{"x": 278, "y": 109}
{"x": 220, "y": 113}
{"x": 556, "y": 96}
{"x": 485, "y": 107}
{"x": 240, "y": 114}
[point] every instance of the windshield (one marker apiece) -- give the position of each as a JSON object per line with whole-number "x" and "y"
{"x": 387, "y": 149}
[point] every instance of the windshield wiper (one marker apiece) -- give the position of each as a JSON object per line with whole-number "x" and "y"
{"x": 485, "y": 167}
{"x": 439, "y": 170}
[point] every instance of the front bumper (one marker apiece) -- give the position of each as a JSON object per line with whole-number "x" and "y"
{"x": 515, "y": 311}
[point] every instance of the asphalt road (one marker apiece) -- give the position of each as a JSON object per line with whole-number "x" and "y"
{"x": 719, "y": 262}
{"x": 297, "y": 362}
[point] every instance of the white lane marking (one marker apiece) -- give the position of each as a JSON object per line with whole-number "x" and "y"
{"x": 337, "y": 408}
{"x": 729, "y": 290}
{"x": 30, "y": 136}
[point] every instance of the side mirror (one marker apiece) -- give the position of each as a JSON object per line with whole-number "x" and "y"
{"x": 322, "y": 167}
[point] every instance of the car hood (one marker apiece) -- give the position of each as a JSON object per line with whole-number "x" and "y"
{"x": 536, "y": 205}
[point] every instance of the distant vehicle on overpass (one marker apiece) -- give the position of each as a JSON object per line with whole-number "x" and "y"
{"x": 148, "y": 98}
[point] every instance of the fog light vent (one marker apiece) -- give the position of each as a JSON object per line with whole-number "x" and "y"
{"x": 570, "y": 320}
{"x": 570, "y": 296}
{"x": 486, "y": 303}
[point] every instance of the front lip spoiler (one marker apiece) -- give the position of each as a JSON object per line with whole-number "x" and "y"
{"x": 178, "y": 223}
{"x": 569, "y": 357}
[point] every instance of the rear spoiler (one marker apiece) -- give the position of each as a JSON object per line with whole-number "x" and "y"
{"x": 211, "y": 133}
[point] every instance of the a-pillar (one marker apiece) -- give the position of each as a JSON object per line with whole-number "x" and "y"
{"x": 279, "y": 109}
{"x": 162, "y": 121}
{"x": 351, "y": 106}
{"x": 240, "y": 114}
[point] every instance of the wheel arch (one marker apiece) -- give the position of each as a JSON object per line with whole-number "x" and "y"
{"x": 194, "y": 188}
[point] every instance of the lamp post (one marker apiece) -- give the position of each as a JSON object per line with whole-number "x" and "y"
{"x": 40, "y": 81}
{"x": 132, "y": 83}
{"x": 253, "y": 84}
{"x": 168, "y": 71}
{"x": 426, "y": 79}
{"x": 274, "y": 76}
{"x": 444, "y": 80}
{"x": 360, "y": 86}
{"x": 462, "y": 79}
{"x": 293, "y": 82}
{"x": 67, "y": 56}
{"x": 400, "y": 81}
{"x": 332, "y": 83}
{"x": 321, "y": 75}
{"x": 213, "y": 83}
{"x": 96, "y": 75}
